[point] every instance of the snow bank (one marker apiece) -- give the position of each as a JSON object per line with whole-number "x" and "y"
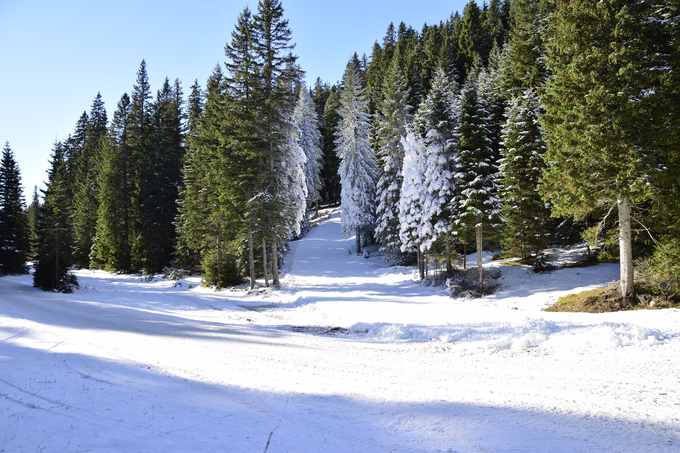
{"x": 527, "y": 332}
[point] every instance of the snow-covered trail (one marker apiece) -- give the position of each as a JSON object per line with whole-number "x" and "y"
{"x": 128, "y": 365}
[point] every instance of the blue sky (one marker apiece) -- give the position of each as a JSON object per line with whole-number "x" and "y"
{"x": 56, "y": 55}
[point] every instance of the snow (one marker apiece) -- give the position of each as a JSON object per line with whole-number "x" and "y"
{"x": 350, "y": 355}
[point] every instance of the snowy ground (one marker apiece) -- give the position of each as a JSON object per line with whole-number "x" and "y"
{"x": 349, "y": 356}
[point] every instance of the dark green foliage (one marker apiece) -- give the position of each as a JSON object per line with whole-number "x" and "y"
{"x": 527, "y": 217}
{"x": 602, "y": 110}
{"x": 85, "y": 187}
{"x": 54, "y": 249}
{"x": 14, "y": 231}
{"x": 116, "y": 181}
{"x": 33, "y": 212}
{"x": 527, "y": 42}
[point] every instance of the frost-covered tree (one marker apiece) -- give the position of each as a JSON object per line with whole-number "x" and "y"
{"x": 358, "y": 168}
{"x": 412, "y": 196}
{"x": 437, "y": 122}
{"x": 475, "y": 204}
{"x": 14, "y": 230}
{"x": 526, "y": 215}
{"x": 392, "y": 122}
{"x": 305, "y": 118}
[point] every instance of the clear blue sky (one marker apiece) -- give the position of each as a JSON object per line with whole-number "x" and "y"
{"x": 56, "y": 55}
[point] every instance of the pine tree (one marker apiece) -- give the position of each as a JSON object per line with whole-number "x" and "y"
{"x": 14, "y": 231}
{"x": 437, "y": 122}
{"x": 331, "y": 122}
{"x": 243, "y": 164}
{"x": 140, "y": 136}
{"x": 85, "y": 186}
{"x": 279, "y": 75}
{"x": 601, "y": 116}
{"x": 159, "y": 179}
{"x": 54, "y": 255}
{"x": 209, "y": 221}
{"x": 112, "y": 246}
{"x": 310, "y": 141}
{"x": 471, "y": 39}
{"x": 32, "y": 213}
{"x": 394, "y": 117}
{"x": 527, "y": 42}
{"x": 412, "y": 196}
{"x": 527, "y": 217}
{"x": 475, "y": 203}
{"x": 358, "y": 168}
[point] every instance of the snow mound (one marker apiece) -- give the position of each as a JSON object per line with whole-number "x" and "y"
{"x": 523, "y": 334}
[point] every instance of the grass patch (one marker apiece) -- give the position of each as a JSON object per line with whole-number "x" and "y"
{"x": 607, "y": 299}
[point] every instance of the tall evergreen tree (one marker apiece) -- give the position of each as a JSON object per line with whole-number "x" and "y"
{"x": 310, "y": 141}
{"x": 475, "y": 204}
{"x": 602, "y": 105}
{"x": 358, "y": 168}
{"x": 279, "y": 76}
{"x": 412, "y": 197}
{"x": 527, "y": 216}
{"x": 437, "y": 122}
{"x": 14, "y": 231}
{"x": 243, "y": 163}
{"x": 85, "y": 187}
{"x": 112, "y": 247}
{"x": 140, "y": 136}
{"x": 33, "y": 212}
{"x": 54, "y": 255}
{"x": 393, "y": 119}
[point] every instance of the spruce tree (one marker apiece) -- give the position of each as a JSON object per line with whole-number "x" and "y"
{"x": 112, "y": 247}
{"x": 14, "y": 230}
{"x": 32, "y": 213}
{"x": 527, "y": 216}
{"x": 310, "y": 141}
{"x": 85, "y": 186}
{"x": 602, "y": 106}
{"x": 358, "y": 168}
{"x": 54, "y": 250}
{"x": 394, "y": 117}
{"x": 412, "y": 197}
{"x": 475, "y": 204}
{"x": 437, "y": 122}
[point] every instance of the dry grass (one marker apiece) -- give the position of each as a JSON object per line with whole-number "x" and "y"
{"x": 607, "y": 299}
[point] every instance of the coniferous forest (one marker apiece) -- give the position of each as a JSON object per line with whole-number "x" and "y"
{"x": 514, "y": 125}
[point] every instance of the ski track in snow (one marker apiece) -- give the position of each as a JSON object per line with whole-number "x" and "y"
{"x": 350, "y": 355}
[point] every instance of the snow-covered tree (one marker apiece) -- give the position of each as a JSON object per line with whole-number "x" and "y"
{"x": 437, "y": 122}
{"x": 358, "y": 168}
{"x": 521, "y": 167}
{"x": 412, "y": 196}
{"x": 475, "y": 204}
{"x": 394, "y": 116}
{"x": 305, "y": 118}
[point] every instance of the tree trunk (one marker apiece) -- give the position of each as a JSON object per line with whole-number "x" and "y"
{"x": 480, "y": 272}
{"x": 625, "y": 248}
{"x": 421, "y": 263}
{"x": 275, "y": 265}
{"x": 264, "y": 263}
{"x": 449, "y": 268}
{"x": 464, "y": 256}
{"x": 251, "y": 259}
{"x": 358, "y": 240}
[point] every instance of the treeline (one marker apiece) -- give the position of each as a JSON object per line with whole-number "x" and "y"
{"x": 523, "y": 124}
{"x": 519, "y": 124}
